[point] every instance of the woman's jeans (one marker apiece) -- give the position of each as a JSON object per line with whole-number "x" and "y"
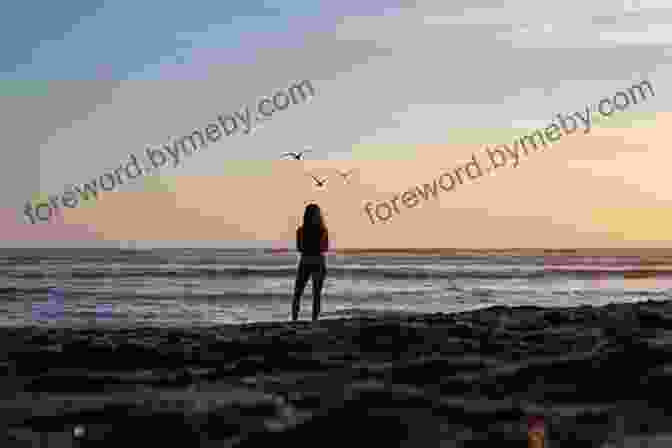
{"x": 310, "y": 266}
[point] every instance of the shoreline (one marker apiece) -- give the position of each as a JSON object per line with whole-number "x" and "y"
{"x": 473, "y": 375}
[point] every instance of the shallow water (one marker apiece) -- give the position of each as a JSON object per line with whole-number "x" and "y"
{"x": 203, "y": 287}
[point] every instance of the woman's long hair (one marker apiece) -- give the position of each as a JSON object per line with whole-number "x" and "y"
{"x": 310, "y": 215}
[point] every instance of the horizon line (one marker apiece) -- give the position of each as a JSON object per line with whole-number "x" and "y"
{"x": 365, "y": 250}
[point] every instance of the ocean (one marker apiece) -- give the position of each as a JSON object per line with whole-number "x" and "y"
{"x": 201, "y": 287}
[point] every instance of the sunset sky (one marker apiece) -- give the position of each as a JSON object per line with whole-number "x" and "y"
{"x": 404, "y": 91}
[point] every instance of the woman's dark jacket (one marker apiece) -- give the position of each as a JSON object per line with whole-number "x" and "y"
{"x": 312, "y": 240}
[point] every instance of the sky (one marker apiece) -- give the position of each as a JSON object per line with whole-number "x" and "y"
{"x": 404, "y": 91}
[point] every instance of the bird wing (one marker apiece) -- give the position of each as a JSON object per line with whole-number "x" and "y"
{"x": 318, "y": 181}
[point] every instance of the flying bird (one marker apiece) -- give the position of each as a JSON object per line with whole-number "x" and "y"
{"x": 320, "y": 183}
{"x": 297, "y": 155}
{"x": 345, "y": 174}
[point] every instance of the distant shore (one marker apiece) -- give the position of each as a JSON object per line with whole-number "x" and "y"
{"x": 593, "y": 374}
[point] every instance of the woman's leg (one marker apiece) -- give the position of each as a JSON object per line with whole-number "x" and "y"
{"x": 302, "y": 274}
{"x": 318, "y": 282}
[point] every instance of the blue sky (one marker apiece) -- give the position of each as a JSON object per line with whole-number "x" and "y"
{"x": 74, "y": 40}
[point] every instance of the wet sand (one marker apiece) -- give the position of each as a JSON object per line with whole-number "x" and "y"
{"x": 595, "y": 375}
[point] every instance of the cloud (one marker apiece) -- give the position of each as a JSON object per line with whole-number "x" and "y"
{"x": 428, "y": 72}
{"x": 16, "y": 233}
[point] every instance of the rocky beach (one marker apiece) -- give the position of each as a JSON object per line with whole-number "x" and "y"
{"x": 597, "y": 376}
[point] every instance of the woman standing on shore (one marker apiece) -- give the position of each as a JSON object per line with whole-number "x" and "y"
{"x": 312, "y": 240}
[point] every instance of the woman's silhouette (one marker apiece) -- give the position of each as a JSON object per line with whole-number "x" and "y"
{"x": 312, "y": 240}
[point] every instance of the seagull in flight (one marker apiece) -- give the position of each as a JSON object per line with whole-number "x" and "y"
{"x": 297, "y": 155}
{"x": 320, "y": 183}
{"x": 345, "y": 174}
